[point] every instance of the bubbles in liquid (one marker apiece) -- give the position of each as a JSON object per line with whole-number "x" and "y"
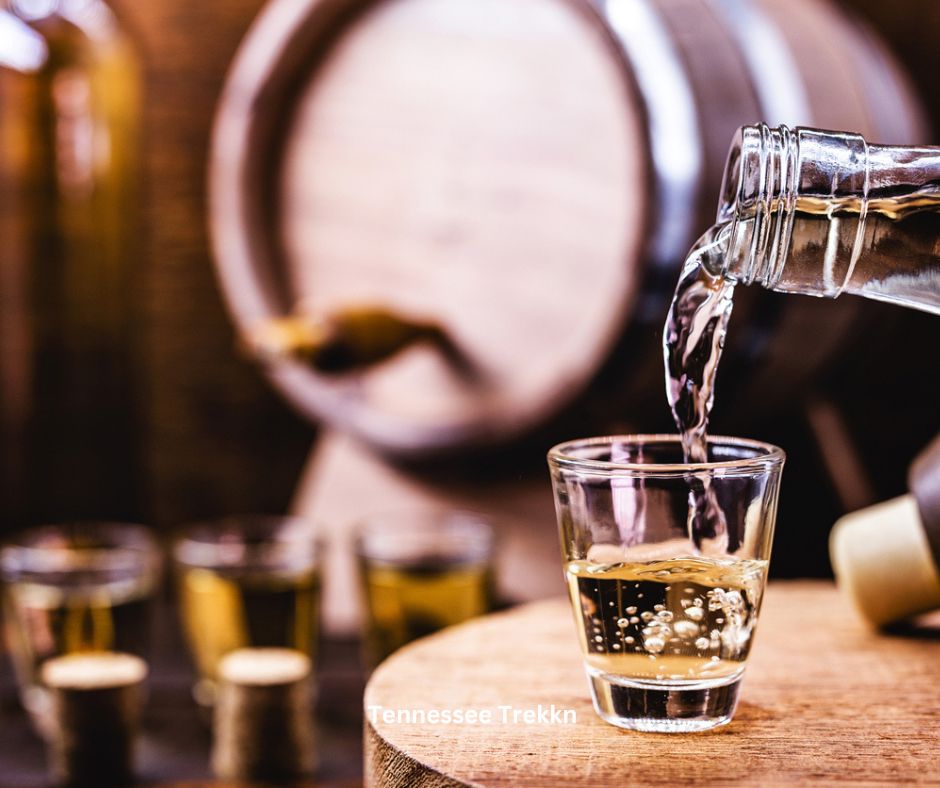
{"x": 686, "y": 629}
{"x": 716, "y": 599}
{"x": 669, "y": 643}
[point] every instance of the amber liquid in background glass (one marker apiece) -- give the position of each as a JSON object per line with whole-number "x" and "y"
{"x": 44, "y": 621}
{"x": 408, "y": 600}
{"x": 223, "y": 610}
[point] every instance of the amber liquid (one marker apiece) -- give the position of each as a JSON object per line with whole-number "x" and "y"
{"x": 406, "y": 601}
{"x": 680, "y": 620}
{"x": 224, "y": 611}
{"x": 43, "y": 621}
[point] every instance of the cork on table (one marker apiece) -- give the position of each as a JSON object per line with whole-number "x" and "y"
{"x": 174, "y": 744}
{"x": 825, "y": 700}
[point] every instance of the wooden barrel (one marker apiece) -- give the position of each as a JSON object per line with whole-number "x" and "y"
{"x": 527, "y": 174}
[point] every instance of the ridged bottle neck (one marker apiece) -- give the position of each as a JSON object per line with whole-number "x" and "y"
{"x": 770, "y": 173}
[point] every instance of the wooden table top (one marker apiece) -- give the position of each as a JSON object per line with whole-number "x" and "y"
{"x": 825, "y": 700}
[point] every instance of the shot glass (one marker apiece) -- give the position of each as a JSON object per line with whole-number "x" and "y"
{"x": 75, "y": 588}
{"x": 422, "y": 571}
{"x": 666, "y": 563}
{"x": 246, "y": 582}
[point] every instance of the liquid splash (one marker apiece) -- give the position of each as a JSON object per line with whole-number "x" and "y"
{"x": 693, "y": 340}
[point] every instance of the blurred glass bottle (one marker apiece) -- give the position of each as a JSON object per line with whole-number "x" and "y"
{"x": 69, "y": 104}
{"x": 824, "y": 213}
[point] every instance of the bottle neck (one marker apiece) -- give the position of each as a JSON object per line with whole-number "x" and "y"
{"x": 822, "y": 213}
{"x": 774, "y": 176}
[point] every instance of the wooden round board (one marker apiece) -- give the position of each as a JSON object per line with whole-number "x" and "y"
{"x": 825, "y": 700}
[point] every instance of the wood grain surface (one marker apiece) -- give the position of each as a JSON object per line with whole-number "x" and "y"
{"x": 825, "y": 700}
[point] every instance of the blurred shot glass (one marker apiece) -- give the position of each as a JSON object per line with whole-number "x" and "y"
{"x": 422, "y": 571}
{"x": 243, "y": 582}
{"x": 71, "y": 589}
{"x": 666, "y": 563}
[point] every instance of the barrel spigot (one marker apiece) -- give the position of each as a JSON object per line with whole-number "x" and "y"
{"x": 350, "y": 339}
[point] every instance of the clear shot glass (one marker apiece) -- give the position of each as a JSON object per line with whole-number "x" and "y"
{"x": 422, "y": 571}
{"x": 666, "y": 564}
{"x": 246, "y": 582}
{"x": 75, "y": 588}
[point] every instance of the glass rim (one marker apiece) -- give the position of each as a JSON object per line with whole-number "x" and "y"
{"x": 42, "y": 548}
{"x": 467, "y": 524}
{"x": 199, "y": 544}
{"x": 766, "y": 456}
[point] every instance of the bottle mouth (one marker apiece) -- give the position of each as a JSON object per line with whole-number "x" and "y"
{"x": 772, "y": 174}
{"x": 731, "y": 182}
{"x": 758, "y": 190}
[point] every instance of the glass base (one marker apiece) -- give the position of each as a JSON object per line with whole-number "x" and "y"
{"x": 664, "y": 707}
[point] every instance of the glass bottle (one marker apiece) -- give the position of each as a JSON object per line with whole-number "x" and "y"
{"x": 69, "y": 107}
{"x": 825, "y": 213}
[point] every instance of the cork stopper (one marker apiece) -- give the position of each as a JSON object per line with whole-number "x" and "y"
{"x": 95, "y": 707}
{"x": 883, "y": 560}
{"x": 924, "y": 483}
{"x": 263, "y": 727}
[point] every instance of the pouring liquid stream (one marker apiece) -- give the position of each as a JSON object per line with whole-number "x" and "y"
{"x": 693, "y": 340}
